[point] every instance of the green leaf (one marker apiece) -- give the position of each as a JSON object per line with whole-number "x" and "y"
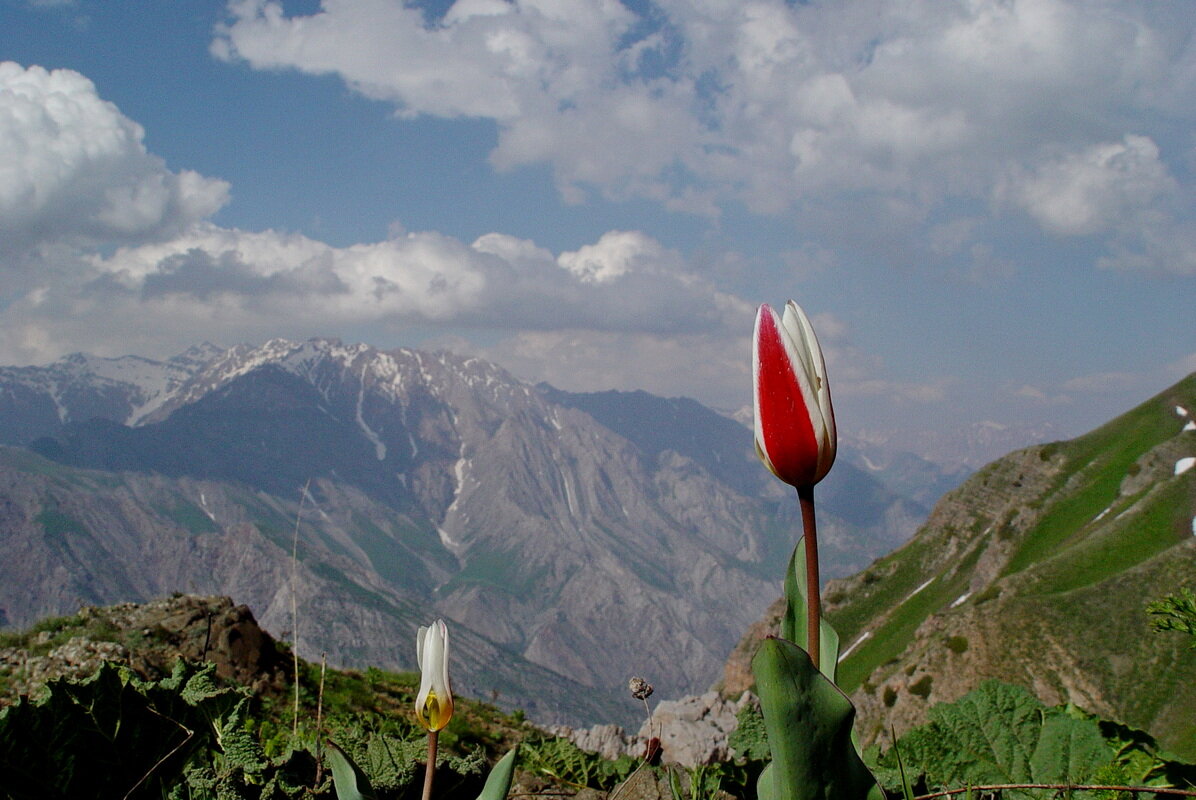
{"x": 749, "y": 740}
{"x": 350, "y": 782}
{"x": 809, "y": 723}
{"x": 1068, "y": 750}
{"x": 498, "y": 782}
{"x": 1000, "y": 733}
{"x": 765, "y": 784}
{"x": 794, "y": 626}
{"x": 907, "y": 791}
{"x": 109, "y": 735}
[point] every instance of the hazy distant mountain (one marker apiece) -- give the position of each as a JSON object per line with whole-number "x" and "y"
{"x": 588, "y": 537}
{"x": 958, "y": 450}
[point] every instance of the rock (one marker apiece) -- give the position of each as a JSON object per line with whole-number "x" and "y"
{"x": 148, "y": 639}
{"x": 608, "y": 741}
{"x": 690, "y": 731}
{"x": 694, "y": 730}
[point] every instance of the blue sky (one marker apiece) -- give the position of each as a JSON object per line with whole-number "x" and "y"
{"x": 987, "y": 207}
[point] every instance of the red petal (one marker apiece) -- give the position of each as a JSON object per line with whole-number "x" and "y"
{"x": 788, "y": 434}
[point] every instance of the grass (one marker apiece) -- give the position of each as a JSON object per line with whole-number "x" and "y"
{"x": 1062, "y": 549}
{"x": 1114, "y": 548}
{"x": 188, "y": 516}
{"x": 1105, "y": 627}
{"x": 58, "y": 525}
{"x": 1103, "y": 458}
{"x": 52, "y": 632}
{"x": 902, "y": 572}
{"x": 498, "y": 570}
{"x": 889, "y": 639}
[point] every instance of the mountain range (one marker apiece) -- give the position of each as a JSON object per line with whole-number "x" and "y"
{"x": 348, "y": 494}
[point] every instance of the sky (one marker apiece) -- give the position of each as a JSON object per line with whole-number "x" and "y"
{"x": 987, "y": 207}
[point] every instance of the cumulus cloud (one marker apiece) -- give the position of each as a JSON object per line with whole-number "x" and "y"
{"x": 713, "y": 368}
{"x": 1095, "y": 189}
{"x": 778, "y": 104}
{"x": 74, "y": 169}
{"x": 1038, "y": 396}
{"x": 243, "y": 282}
{"x": 116, "y": 255}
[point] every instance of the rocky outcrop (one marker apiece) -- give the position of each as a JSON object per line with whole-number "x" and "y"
{"x": 148, "y": 639}
{"x": 691, "y": 731}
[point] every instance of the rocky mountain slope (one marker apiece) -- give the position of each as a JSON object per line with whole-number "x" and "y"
{"x": 572, "y": 540}
{"x": 1036, "y": 571}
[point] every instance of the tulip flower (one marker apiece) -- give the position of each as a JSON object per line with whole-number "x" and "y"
{"x": 434, "y": 703}
{"x": 795, "y": 424}
{"x": 795, "y": 427}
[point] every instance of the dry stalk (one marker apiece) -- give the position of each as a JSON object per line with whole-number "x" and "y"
{"x": 320, "y": 718}
{"x": 190, "y": 733}
{"x": 640, "y": 690}
{"x": 1062, "y": 787}
{"x": 295, "y": 610}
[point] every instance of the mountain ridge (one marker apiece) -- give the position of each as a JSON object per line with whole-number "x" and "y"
{"x": 410, "y": 484}
{"x": 1036, "y": 570}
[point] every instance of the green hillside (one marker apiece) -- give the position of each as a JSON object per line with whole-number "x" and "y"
{"x": 1037, "y": 570}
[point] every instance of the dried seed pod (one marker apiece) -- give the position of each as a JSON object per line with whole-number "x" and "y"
{"x": 640, "y": 688}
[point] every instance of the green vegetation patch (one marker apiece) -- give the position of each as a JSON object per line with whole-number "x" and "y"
{"x": 499, "y": 570}
{"x": 1104, "y": 457}
{"x": 379, "y": 547}
{"x": 357, "y": 592}
{"x": 921, "y": 687}
{"x": 903, "y": 573}
{"x": 1119, "y": 546}
{"x": 188, "y": 516}
{"x": 889, "y": 639}
{"x": 58, "y": 526}
{"x": 957, "y": 644}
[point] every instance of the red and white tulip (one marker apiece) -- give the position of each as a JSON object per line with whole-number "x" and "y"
{"x": 795, "y": 424}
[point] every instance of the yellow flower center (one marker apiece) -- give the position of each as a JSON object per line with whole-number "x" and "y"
{"x": 434, "y": 715}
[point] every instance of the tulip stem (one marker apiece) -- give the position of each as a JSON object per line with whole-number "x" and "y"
{"x": 430, "y": 772}
{"x": 805, "y": 495}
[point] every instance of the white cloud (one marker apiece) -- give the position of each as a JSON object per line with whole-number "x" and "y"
{"x": 1039, "y": 396}
{"x": 768, "y": 101}
{"x": 714, "y": 368}
{"x": 244, "y": 283}
{"x": 619, "y": 253}
{"x": 116, "y": 255}
{"x": 1159, "y": 243}
{"x": 74, "y": 169}
{"x": 1096, "y": 189}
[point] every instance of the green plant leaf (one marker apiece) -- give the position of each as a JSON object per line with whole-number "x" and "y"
{"x": 350, "y": 782}
{"x": 766, "y": 785}
{"x": 109, "y": 735}
{"x": 793, "y": 623}
{"x": 1000, "y": 733}
{"x": 498, "y": 782}
{"x": 907, "y": 791}
{"x": 809, "y": 723}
